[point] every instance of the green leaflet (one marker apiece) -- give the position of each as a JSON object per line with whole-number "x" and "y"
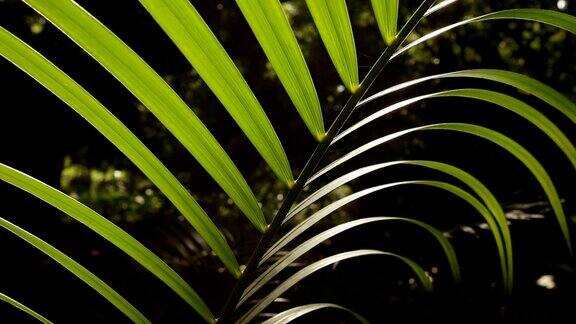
{"x": 110, "y": 232}
{"x": 386, "y": 13}
{"x": 517, "y": 80}
{"x": 506, "y": 143}
{"x": 524, "y": 110}
{"x": 470, "y": 181}
{"x": 505, "y": 101}
{"x": 473, "y": 202}
{"x": 191, "y": 34}
{"x": 271, "y": 271}
{"x": 333, "y": 23}
{"x": 24, "y": 308}
{"x": 79, "y": 271}
{"x": 291, "y": 314}
{"x": 106, "y": 123}
{"x": 310, "y": 269}
{"x": 272, "y": 29}
{"x": 550, "y": 17}
{"x": 138, "y": 77}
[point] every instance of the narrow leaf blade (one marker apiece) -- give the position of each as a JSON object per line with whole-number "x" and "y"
{"x": 550, "y": 17}
{"x": 333, "y": 23}
{"x": 271, "y": 271}
{"x": 180, "y": 20}
{"x": 79, "y": 271}
{"x": 110, "y": 232}
{"x": 517, "y": 80}
{"x": 272, "y": 29}
{"x": 386, "y": 13}
{"x": 312, "y": 268}
{"x": 291, "y": 314}
{"x": 24, "y": 308}
{"x": 47, "y": 74}
{"x": 140, "y": 79}
{"x": 505, "y": 101}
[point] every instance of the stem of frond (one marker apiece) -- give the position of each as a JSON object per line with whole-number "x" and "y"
{"x": 321, "y": 149}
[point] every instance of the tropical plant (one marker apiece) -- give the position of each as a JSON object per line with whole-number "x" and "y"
{"x": 187, "y": 29}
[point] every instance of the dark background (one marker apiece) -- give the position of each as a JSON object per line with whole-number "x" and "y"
{"x": 44, "y": 138}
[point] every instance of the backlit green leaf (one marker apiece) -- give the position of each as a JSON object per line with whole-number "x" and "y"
{"x": 333, "y": 23}
{"x": 505, "y": 101}
{"x": 189, "y": 32}
{"x": 386, "y": 13}
{"x": 79, "y": 271}
{"x": 550, "y": 17}
{"x": 272, "y": 29}
{"x": 138, "y": 77}
{"x": 520, "y": 81}
{"x": 312, "y": 268}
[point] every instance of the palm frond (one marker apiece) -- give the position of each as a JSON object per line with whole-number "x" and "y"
{"x": 187, "y": 29}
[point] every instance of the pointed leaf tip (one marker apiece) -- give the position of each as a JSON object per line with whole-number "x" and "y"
{"x": 272, "y": 29}
{"x": 190, "y": 33}
{"x": 333, "y": 23}
{"x": 386, "y": 13}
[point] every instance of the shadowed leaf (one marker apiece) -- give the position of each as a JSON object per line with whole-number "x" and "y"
{"x": 312, "y": 268}
{"x": 291, "y": 314}
{"x": 386, "y": 13}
